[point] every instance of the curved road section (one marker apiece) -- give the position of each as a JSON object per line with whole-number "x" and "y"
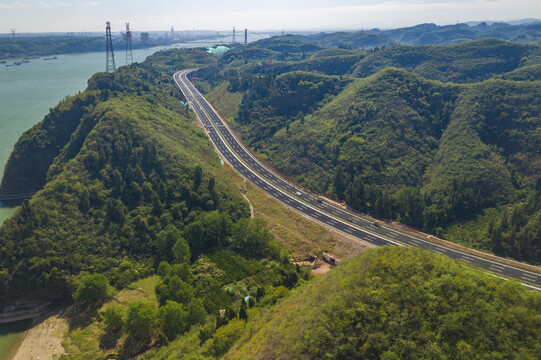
{"x": 330, "y": 215}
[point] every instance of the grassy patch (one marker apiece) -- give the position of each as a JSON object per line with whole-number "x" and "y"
{"x": 90, "y": 340}
{"x": 297, "y": 233}
{"x": 227, "y": 103}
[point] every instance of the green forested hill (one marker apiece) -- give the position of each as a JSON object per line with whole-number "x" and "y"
{"x": 140, "y": 168}
{"x": 117, "y": 163}
{"x": 426, "y": 153}
{"x": 399, "y": 303}
{"x": 462, "y": 63}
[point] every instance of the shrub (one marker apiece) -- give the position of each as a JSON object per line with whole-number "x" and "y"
{"x": 141, "y": 322}
{"x": 113, "y": 317}
{"x": 92, "y": 290}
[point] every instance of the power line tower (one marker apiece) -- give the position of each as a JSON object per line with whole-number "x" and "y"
{"x": 110, "y": 56}
{"x": 129, "y": 54}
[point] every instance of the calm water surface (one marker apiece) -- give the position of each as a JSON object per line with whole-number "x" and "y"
{"x": 11, "y": 336}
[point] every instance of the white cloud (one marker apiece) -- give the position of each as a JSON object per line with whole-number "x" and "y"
{"x": 13, "y": 5}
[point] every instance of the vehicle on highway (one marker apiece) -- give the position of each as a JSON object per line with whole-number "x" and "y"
{"x": 298, "y": 193}
{"x": 319, "y": 200}
{"x": 376, "y": 224}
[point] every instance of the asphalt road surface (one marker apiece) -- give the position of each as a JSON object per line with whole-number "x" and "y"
{"x": 329, "y": 214}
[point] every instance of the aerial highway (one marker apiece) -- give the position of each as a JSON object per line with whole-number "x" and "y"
{"x": 331, "y": 215}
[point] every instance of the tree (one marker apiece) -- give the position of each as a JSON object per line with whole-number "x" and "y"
{"x": 226, "y": 336}
{"x": 338, "y": 183}
{"x": 243, "y": 315}
{"x": 164, "y": 269}
{"x": 173, "y": 288}
{"x": 181, "y": 251}
{"x": 166, "y": 240}
{"x": 173, "y": 319}
{"x": 195, "y": 312}
{"x": 204, "y": 334}
{"x": 230, "y": 313}
{"x": 113, "y": 317}
{"x": 92, "y": 290}
{"x": 260, "y": 293}
{"x": 198, "y": 175}
{"x": 251, "y": 237}
{"x": 141, "y": 322}
{"x": 211, "y": 183}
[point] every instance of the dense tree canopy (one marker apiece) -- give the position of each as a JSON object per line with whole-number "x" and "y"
{"x": 400, "y": 303}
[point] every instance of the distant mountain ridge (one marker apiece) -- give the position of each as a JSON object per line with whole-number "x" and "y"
{"x": 429, "y": 34}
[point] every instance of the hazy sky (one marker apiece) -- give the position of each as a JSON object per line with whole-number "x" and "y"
{"x": 90, "y": 15}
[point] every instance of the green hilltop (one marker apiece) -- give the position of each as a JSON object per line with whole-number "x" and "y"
{"x": 399, "y": 303}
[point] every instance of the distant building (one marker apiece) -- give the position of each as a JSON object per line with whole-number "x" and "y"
{"x": 145, "y": 37}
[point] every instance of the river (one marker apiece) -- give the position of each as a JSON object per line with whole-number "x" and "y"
{"x": 27, "y": 92}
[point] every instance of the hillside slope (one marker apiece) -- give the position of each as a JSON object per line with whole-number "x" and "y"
{"x": 133, "y": 163}
{"x": 399, "y": 303}
{"x": 425, "y": 153}
{"x": 463, "y": 63}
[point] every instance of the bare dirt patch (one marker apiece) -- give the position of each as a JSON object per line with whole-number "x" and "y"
{"x": 321, "y": 269}
{"x": 44, "y": 341}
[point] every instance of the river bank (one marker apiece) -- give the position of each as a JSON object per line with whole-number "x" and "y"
{"x": 44, "y": 339}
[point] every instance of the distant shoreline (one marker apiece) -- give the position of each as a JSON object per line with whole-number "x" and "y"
{"x": 50, "y": 46}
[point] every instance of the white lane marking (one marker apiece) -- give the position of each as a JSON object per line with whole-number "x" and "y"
{"x": 495, "y": 268}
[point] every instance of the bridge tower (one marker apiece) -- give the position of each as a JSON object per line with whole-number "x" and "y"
{"x": 13, "y": 33}
{"x": 110, "y": 56}
{"x": 245, "y": 36}
{"x": 233, "y": 35}
{"x": 129, "y": 54}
